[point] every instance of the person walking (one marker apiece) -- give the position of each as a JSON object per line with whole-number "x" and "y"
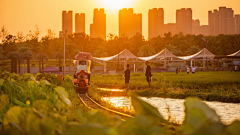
{"x": 188, "y": 69}
{"x": 148, "y": 74}
{"x": 127, "y": 76}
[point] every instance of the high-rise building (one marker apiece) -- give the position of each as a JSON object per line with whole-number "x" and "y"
{"x": 204, "y": 30}
{"x": 129, "y": 23}
{"x": 170, "y": 27}
{"x": 155, "y": 22}
{"x": 221, "y": 22}
{"x": 67, "y": 23}
{"x": 184, "y": 20}
{"x": 80, "y": 23}
{"x": 196, "y": 27}
{"x": 98, "y": 27}
{"x": 237, "y": 24}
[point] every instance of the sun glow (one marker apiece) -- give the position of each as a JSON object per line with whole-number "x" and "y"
{"x": 117, "y": 4}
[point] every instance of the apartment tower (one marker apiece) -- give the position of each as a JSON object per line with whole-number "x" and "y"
{"x": 67, "y": 23}
{"x": 129, "y": 22}
{"x": 98, "y": 27}
{"x": 196, "y": 27}
{"x": 80, "y": 23}
{"x": 155, "y": 22}
{"x": 222, "y": 21}
{"x": 184, "y": 20}
{"x": 237, "y": 24}
{"x": 170, "y": 27}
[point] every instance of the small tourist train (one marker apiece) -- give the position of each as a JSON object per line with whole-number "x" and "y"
{"x": 82, "y": 63}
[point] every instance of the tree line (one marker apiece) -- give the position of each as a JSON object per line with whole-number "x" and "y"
{"x": 31, "y": 46}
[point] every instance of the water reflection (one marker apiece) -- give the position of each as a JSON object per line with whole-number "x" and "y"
{"x": 106, "y": 89}
{"x": 227, "y": 111}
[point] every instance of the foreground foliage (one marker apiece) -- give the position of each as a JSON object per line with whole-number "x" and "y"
{"x": 39, "y": 107}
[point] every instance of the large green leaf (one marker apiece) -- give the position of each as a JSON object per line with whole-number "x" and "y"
{"x": 143, "y": 108}
{"x": 63, "y": 95}
{"x": 195, "y": 103}
{"x": 45, "y": 82}
{"x": 3, "y": 101}
{"x": 12, "y": 115}
{"x": 10, "y": 87}
{"x": 15, "y": 125}
{"x": 17, "y": 102}
{"x": 1, "y": 82}
{"x": 89, "y": 129}
{"x": 233, "y": 129}
{"x": 47, "y": 126}
{"x": 140, "y": 125}
{"x": 200, "y": 119}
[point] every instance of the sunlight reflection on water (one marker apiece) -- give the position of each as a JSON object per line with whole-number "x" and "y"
{"x": 227, "y": 111}
{"x": 105, "y": 89}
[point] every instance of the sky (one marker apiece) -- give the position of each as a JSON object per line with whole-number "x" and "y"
{"x": 24, "y": 15}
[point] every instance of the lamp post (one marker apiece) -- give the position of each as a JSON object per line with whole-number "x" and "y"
{"x": 64, "y": 57}
{"x": 64, "y": 48}
{"x": 206, "y": 48}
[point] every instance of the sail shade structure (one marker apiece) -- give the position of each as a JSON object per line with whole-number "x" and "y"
{"x": 201, "y": 54}
{"x": 125, "y": 54}
{"x": 235, "y": 54}
{"x": 165, "y": 53}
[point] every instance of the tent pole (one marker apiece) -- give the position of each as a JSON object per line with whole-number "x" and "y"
{"x": 105, "y": 67}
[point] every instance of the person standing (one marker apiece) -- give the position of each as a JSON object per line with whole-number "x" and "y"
{"x": 176, "y": 70}
{"x": 188, "y": 69}
{"x": 148, "y": 74}
{"x": 127, "y": 76}
{"x": 193, "y": 70}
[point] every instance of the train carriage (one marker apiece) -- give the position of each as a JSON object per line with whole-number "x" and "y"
{"x": 82, "y": 63}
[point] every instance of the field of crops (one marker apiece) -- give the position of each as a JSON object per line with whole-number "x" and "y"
{"x": 212, "y": 86}
{"x": 41, "y": 104}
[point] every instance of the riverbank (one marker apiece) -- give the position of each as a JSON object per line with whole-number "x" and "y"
{"x": 209, "y": 86}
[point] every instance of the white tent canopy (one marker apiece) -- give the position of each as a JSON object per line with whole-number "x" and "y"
{"x": 125, "y": 54}
{"x": 235, "y": 54}
{"x": 165, "y": 53}
{"x": 204, "y": 53}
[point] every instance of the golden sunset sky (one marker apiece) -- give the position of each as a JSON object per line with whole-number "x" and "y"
{"x": 24, "y": 15}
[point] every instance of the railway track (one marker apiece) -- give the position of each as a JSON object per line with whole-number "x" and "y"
{"x": 91, "y": 104}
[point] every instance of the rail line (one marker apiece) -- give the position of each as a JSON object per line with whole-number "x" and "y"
{"x": 91, "y": 104}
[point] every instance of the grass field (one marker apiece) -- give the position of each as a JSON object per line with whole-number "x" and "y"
{"x": 218, "y": 86}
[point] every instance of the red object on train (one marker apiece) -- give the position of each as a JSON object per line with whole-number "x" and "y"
{"x": 83, "y": 56}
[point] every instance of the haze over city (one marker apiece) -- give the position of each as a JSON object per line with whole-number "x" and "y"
{"x": 24, "y": 15}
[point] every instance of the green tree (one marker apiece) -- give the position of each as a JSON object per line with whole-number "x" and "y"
{"x": 2, "y": 57}
{"x": 71, "y": 50}
{"x": 14, "y": 57}
{"x": 135, "y": 42}
{"x": 26, "y": 55}
{"x": 59, "y": 56}
{"x": 100, "y": 52}
{"x": 193, "y": 49}
{"x": 41, "y": 57}
{"x": 81, "y": 40}
{"x": 146, "y": 50}
{"x": 173, "y": 49}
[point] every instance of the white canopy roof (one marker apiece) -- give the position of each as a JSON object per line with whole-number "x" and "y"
{"x": 165, "y": 53}
{"x": 235, "y": 54}
{"x": 201, "y": 54}
{"x": 125, "y": 54}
